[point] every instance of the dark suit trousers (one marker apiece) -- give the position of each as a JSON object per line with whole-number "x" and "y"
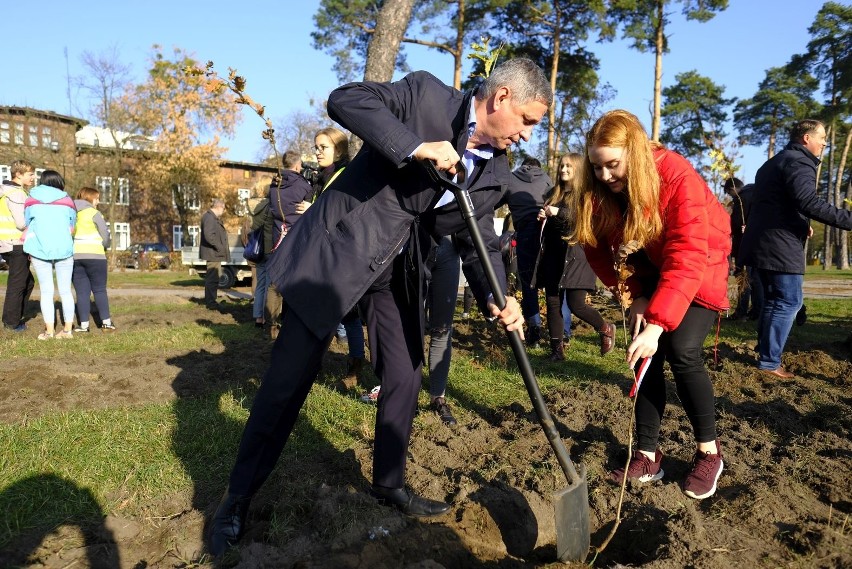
{"x": 19, "y": 286}
{"x": 393, "y": 324}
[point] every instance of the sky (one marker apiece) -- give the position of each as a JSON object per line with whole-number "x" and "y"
{"x": 269, "y": 43}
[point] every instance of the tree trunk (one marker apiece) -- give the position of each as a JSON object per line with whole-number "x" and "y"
{"x": 457, "y": 56}
{"x": 658, "y": 73}
{"x": 828, "y": 248}
{"x": 838, "y": 200}
{"x": 391, "y": 24}
{"x": 554, "y": 69}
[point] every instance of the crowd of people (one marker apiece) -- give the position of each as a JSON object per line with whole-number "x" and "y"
{"x": 373, "y": 240}
{"x": 43, "y": 228}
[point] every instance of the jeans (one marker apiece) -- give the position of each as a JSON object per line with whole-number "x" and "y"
{"x": 566, "y": 318}
{"x": 443, "y": 293}
{"x": 782, "y": 299}
{"x": 260, "y": 285}
{"x": 90, "y": 278}
{"x": 44, "y": 273}
{"x": 354, "y": 333}
{"x": 18, "y": 287}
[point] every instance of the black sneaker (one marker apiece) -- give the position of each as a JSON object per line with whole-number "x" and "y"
{"x": 439, "y": 405}
{"x": 81, "y": 330}
{"x": 108, "y": 327}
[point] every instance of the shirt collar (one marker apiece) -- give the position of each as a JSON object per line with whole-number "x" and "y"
{"x": 484, "y": 151}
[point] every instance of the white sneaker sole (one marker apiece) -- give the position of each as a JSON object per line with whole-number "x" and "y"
{"x": 712, "y": 490}
{"x": 651, "y": 477}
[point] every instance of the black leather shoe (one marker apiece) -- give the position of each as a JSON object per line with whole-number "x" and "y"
{"x": 229, "y": 523}
{"x": 442, "y": 409}
{"x": 409, "y": 503}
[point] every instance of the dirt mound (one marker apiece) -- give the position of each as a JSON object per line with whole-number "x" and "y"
{"x": 783, "y": 499}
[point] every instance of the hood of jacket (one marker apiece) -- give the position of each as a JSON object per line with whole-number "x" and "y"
{"x": 47, "y": 194}
{"x": 531, "y": 174}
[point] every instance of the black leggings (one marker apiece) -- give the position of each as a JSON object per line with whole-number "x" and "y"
{"x": 576, "y": 302}
{"x": 683, "y": 349}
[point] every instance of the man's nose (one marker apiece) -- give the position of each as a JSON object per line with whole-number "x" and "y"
{"x": 526, "y": 134}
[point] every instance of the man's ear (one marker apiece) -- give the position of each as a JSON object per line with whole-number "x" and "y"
{"x": 502, "y": 97}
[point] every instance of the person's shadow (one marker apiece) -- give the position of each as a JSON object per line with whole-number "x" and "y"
{"x": 59, "y": 496}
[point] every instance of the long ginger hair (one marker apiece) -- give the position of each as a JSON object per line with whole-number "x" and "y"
{"x": 595, "y": 207}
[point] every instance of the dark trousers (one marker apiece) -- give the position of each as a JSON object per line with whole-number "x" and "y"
{"x": 396, "y": 344}
{"x": 19, "y": 286}
{"x": 683, "y": 349}
{"x": 90, "y": 278}
{"x": 528, "y": 244}
{"x": 576, "y": 303}
{"x": 211, "y": 282}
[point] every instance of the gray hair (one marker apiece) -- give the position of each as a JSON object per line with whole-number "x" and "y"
{"x": 525, "y": 80}
{"x": 218, "y": 202}
{"x": 803, "y": 127}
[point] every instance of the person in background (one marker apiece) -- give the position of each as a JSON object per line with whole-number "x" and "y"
{"x": 50, "y": 217}
{"x": 285, "y": 205}
{"x": 20, "y": 283}
{"x": 785, "y": 200}
{"x": 635, "y": 192}
{"x": 214, "y": 249}
{"x": 741, "y": 196}
{"x": 331, "y": 147}
{"x": 525, "y": 197}
{"x": 91, "y": 239}
{"x": 562, "y": 269}
{"x": 260, "y": 216}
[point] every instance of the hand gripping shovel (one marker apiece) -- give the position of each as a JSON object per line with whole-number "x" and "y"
{"x": 572, "y": 503}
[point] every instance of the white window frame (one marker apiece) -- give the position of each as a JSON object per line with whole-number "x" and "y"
{"x": 19, "y": 133}
{"x": 5, "y": 173}
{"x": 104, "y": 185}
{"x": 195, "y": 205}
{"x": 193, "y": 231}
{"x": 46, "y": 137}
{"x": 38, "y": 173}
{"x": 243, "y": 195}
{"x": 5, "y": 132}
{"x": 121, "y": 235}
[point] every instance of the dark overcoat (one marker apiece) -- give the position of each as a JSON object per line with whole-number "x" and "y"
{"x": 383, "y": 200}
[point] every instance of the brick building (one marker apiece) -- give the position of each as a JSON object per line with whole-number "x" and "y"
{"x": 90, "y": 156}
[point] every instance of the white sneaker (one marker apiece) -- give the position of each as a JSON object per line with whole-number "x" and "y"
{"x": 371, "y": 396}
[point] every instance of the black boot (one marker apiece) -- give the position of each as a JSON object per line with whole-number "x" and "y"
{"x": 353, "y": 368}
{"x": 557, "y": 350}
{"x": 229, "y": 523}
{"x": 533, "y": 335}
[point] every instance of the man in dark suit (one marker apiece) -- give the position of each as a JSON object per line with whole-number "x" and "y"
{"x": 364, "y": 241}
{"x": 213, "y": 249}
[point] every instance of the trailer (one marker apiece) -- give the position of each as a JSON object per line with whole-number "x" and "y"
{"x": 232, "y": 272}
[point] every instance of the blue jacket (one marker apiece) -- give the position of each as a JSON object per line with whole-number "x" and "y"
{"x": 50, "y": 216}
{"x": 784, "y": 198}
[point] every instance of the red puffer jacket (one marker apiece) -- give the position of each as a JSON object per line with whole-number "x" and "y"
{"x": 691, "y": 254}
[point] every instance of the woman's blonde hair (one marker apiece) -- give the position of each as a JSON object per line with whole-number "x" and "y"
{"x": 595, "y": 206}
{"x": 338, "y": 139}
{"x": 561, "y": 194}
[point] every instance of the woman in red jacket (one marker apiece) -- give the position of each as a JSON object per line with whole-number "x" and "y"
{"x": 635, "y": 190}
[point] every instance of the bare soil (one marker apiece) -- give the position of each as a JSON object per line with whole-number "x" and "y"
{"x": 783, "y": 499}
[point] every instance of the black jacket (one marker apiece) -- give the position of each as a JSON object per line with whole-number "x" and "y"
{"x": 784, "y": 198}
{"x": 214, "y": 239}
{"x": 740, "y": 207}
{"x": 382, "y": 201}
{"x": 560, "y": 265}
{"x": 525, "y": 197}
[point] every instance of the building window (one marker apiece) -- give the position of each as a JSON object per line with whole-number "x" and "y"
{"x": 177, "y": 236}
{"x": 5, "y": 133}
{"x": 19, "y": 134}
{"x": 187, "y": 196}
{"x": 46, "y": 137}
{"x": 5, "y": 173}
{"x": 243, "y": 195}
{"x": 38, "y": 173}
{"x": 121, "y": 235}
{"x": 246, "y": 175}
{"x": 104, "y": 185}
{"x": 33, "y": 138}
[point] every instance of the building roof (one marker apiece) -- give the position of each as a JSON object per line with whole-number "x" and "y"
{"x": 103, "y": 138}
{"x": 49, "y": 115}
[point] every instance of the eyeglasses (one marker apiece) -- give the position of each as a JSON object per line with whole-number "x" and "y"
{"x": 322, "y": 148}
